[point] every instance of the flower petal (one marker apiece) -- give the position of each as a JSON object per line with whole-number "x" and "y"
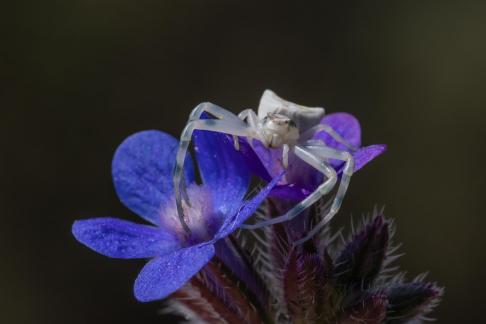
{"x": 232, "y": 223}
{"x": 252, "y": 160}
{"x": 290, "y": 192}
{"x": 271, "y": 158}
{"x": 222, "y": 168}
{"x": 142, "y": 172}
{"x": 366, "y": 154}
{"x": 118, "y": 238}
{"x": 165, "y": 274}
{"x": 345, "y": 125}
{"x": 361, "y": 157}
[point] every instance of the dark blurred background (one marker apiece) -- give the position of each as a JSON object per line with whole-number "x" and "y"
{"x": 79, "y": 76}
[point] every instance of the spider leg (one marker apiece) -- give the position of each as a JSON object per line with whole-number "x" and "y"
{"x": 246, "y": 114}
{"x": 306, "y": 135}
{"x": 252, "y": 119}
{"x": 216, "y": 111}
{"x": 285, "y": 156}
{"x": 318, "y": 163}
{"x": 237, "y": 127}
{"x": 329, "y": 153}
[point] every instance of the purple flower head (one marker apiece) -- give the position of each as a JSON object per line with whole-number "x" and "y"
{"x": 409, "y": 301}
{"x": 142, "y": 173}
{"x": 361, "y": 260}
{"x": 302, "y": 179}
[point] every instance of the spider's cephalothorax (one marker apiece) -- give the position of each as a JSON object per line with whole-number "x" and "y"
{"x": 277, "y": 130}
{"x": 279, "y": 123}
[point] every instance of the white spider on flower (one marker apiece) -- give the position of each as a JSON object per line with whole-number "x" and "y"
{"x": 279, "y": 124}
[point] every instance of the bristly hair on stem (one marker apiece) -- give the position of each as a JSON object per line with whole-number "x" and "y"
{"x": 327, "y": 281}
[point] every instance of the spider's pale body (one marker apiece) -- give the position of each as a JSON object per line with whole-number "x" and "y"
{"x": 277, "y": 130}
{"x": 279, "y": 123}
{"x": 304, "y": 117}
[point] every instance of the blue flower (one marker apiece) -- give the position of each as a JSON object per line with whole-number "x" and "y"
{"x": 142, "y": 173}
{"x": 302, "y": 179}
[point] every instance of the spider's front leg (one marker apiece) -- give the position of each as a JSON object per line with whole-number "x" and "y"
{"x": 232, "y": 127}
{"x": 331, "y": 179}
{"x": 326, "y": 153}
{"x": 251, "y": 118}
{"x": 216, "y": 111}
{"x": 285, "y": 156}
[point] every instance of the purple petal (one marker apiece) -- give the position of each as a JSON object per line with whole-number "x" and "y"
{"x": 232, "y": 223}
{"x": 289, "y": 192}
{"x": 142, "y": 172}
{"x": 366, "y": 154}
{"x": 271, "y": 158}
{"x": 345, "y": 125}
{"x": 118, "y": 238}
{"x": 253, "y": 161}
{"x": 165, "y": 274}
{"x": 222, "y": 168}
{"x": 362, "y": 157}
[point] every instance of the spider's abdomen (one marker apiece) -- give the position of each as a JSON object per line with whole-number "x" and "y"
{"x": 303, "y": 117}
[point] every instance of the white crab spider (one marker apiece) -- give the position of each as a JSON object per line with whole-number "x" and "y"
{"x": 279, "y": 123}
